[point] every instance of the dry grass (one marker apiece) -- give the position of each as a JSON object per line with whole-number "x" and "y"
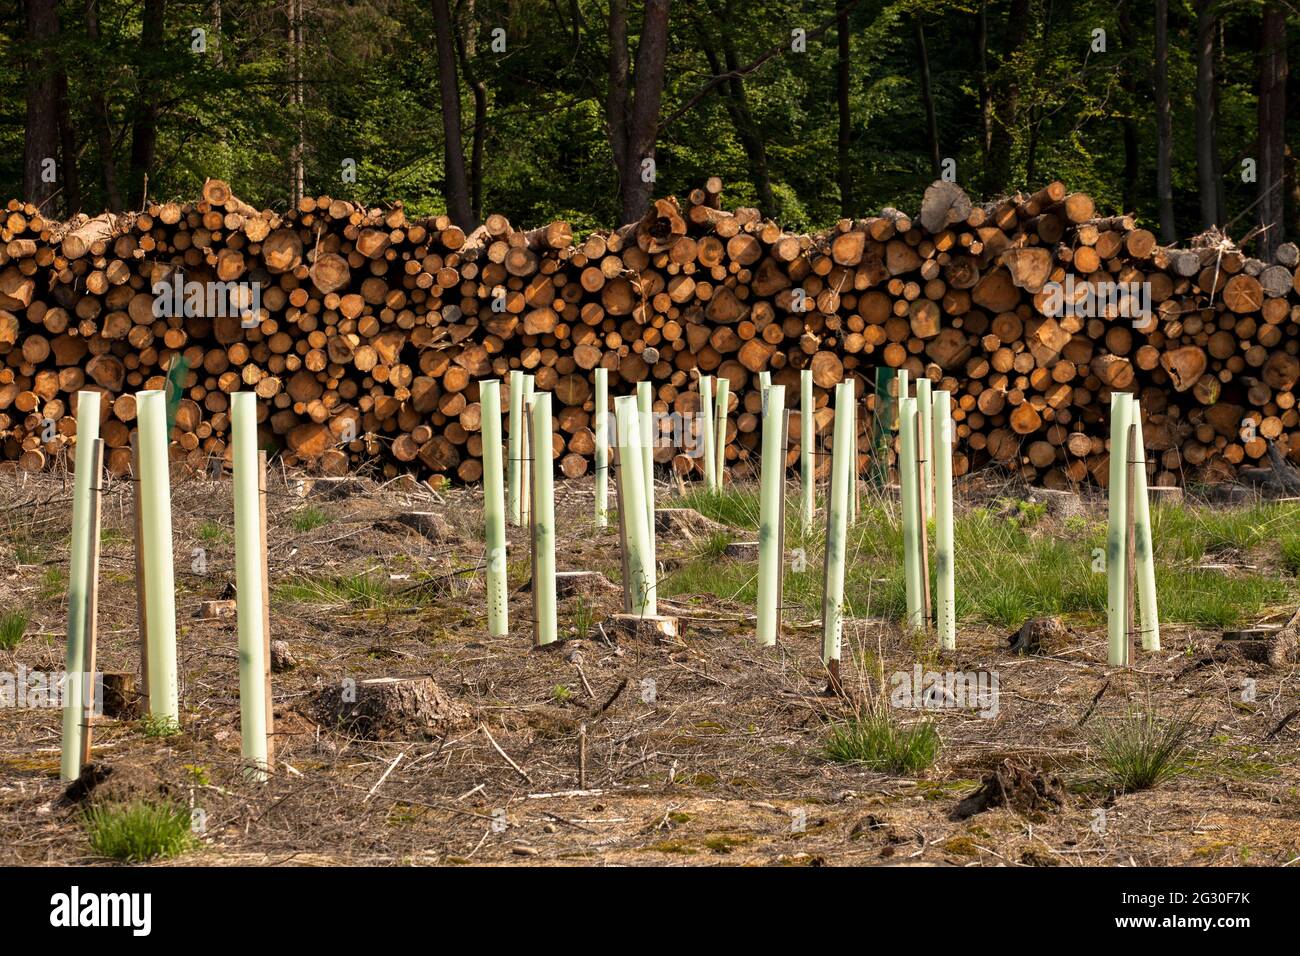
{"x": 711, "y": 751}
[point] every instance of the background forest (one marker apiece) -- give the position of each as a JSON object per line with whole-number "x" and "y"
{"x": 541, "y": 109}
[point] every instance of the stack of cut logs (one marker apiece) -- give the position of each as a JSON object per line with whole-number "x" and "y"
{"x": 372, "y": 329}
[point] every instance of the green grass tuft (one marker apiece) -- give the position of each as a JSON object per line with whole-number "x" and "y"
{"x": 876, "y": 740}
{"x": 159, "y": 725}
{"x": 1291, "y": 554}
{"x": 584, "y": 615}
{"x": 1142, "y": 750}
{"x": 368, "y": 592}
{"x": 211, "y": 532}
{"x": 308, "y": 518}
{"x": 737, "y": 507}
{"x": 53, "y": 584}
{"x": 12, "y": 628}
{"x": 139, "y": 831}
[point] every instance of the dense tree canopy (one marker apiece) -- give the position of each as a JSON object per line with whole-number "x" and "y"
{"x": 808, "y": 109}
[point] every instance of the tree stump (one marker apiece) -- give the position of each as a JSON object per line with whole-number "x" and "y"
{"x": 390, "y": 708}
{"x": 1273, "y": 646}
{"x": 1024, "y": 787}
{"x": 685, "y": 523}
{"x": 120, "y": 696}
{"x": 657, "y": 628}
{"x": 282, "y": 658}
{"x": 430, "y": 524}
{"x": 584, "y": 583}
{"x": 217, "y": 610}
{"x": 1036, "y": 634}
{"x": 742, "y": 550}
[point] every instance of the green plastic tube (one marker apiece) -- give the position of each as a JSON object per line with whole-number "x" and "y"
{"x": 837, "y": 528}
{"x": 602, "y": 447}
{"x": 543, "y": 505}
{"x": 159, "y": 572}
{"x": 908, "y": 479}
{"x": 764, "y": 380}
{"x": 720, "y": 438}
{"x": 770, "y": 537}
{"x": 1144, "y": 548}
{"x": 853, "y": 453}
{"x": 514, "y": 453}
{"x": 945, "y": 588}
{"x": 78, "y": 584}
{"x": 706, "y": 431}
{"x": 250, "y": 558}
{"x": 494, "y": 511}
{"x": 636, "y": 533}
{"x": 807, "y": 436}
{"x": 645, "y": 418}
{"x": 1121, "y": 415}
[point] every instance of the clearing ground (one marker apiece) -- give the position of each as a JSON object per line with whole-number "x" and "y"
{"x": 708, "y": 751}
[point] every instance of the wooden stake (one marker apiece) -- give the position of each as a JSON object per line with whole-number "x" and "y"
{"x": 582, "y": 756}
{"x": 92, "y": 600}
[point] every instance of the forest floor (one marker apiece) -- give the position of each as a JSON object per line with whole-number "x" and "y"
{"x": 703, "y": 752}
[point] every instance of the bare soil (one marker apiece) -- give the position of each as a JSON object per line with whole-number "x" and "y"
{"x": 710, "y": 751}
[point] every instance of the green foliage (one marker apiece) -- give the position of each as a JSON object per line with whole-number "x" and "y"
{"x": 308, "y": 518}
{"x": 1291, "y": 553}
{"x": 736, "y": 507}
{"x": 370, "y": 96}
{"x": 1142, "y": 750}
{"x": 211, "y": 532}
{"x": 159, "y": 725}
{"x": 584, "y": 615}
{"x": 876, "y": 740}
{"x": 361, "y": 591}
{"x": 1012, "y": 564}
{"x": 139, "y": 831}
{"x": 13, "y": 626}
{"x": 53, "y": 583}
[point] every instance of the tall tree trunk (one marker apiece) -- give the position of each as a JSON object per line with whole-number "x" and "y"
{"x": 843, "y": 139}
{"x": 1128, "y": 82}
{"x": 41, "y": 138}
{"x": 634, "y": 125}
{"x": 616, "y": 96}
{"x": 458, "y": 201}
{"x": 986, "y": 101}
{"x": 1220, "y": 80}
{"x": 1164, "y": 127}
{"x": 214, "y": 32}
{"x": 927, "y": 95}
{"x": 297, "y": 155}
{"x": 747, "y": 131}
{"x": 144, "y": 127}
{"x": 99, "y": 119}
{"x": 466, "y": 47}
{"x": 1036, "y": 111}
{"x": 1207, "y": 156}
{"x": 68, "y": 148}
{"x": 1272, "y": 130}
{"x": 647, "y": 93}
{"x": 1006, "y": 104}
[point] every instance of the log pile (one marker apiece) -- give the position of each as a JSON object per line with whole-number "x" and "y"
{"x": 369, "y": 330}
